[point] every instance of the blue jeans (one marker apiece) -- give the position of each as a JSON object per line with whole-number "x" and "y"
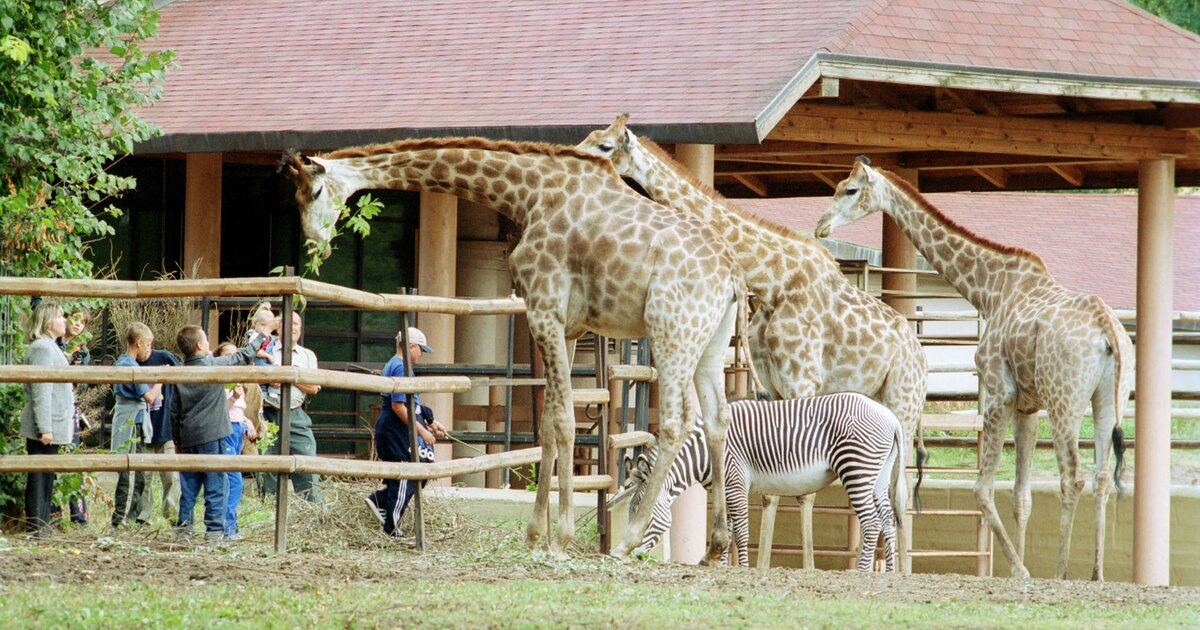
{"x": 232, "y": 445}
{"x": 216, "y": 487}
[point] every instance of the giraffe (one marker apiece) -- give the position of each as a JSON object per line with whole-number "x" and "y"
{"x": 1045, "y": 347}
{"x": 814, "y": 332}
{"x": 594, "y": 256}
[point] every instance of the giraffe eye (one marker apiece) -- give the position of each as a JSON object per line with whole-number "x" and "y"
{"x": 317, "y": 192}
{"x": 606, "y": 146}
{"x": 850, "y": 192}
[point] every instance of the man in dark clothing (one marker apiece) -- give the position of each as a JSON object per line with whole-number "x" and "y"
{"x": 160, "y": 443}
{"x": 199, "y": 421}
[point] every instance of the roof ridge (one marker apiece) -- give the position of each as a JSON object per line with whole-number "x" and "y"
{"x": 1130, "y": 6}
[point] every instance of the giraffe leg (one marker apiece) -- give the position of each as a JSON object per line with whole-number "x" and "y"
{"x": 995, "y": 421}
{"x": 709, "y": 379}
{"x": 1025, "y": 437}
{"x": 766, "y": 531}
{"x": 676, "y": 420}
{"x": 549, "y": 337}
{"x": 1105, "y": 420}
{"x": 904, "y": 394}
{"x": 1070, "y": 474}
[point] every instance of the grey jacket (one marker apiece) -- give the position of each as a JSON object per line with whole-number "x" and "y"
{"x": 49, "y": 407}
{"x": 198, "y": 410}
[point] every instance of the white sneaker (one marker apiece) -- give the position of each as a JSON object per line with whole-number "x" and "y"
{"x": 375, "y": 509}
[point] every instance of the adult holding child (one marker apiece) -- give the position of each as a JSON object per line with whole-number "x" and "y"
{"x": 161, "y": 443}
{"x": 48, "y": 418}
{"x": 131, "y": 425}
{"x": 300, "y": 435}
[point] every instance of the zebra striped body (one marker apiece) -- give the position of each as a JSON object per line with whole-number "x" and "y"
{"x": 791, "y": 448}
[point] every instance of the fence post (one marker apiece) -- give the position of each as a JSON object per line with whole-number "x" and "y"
{"x": 508, "y": 396}
{"x": 285, "y": 424}
{"x": 414, "y": 453}
{"x": 602, "y": 515}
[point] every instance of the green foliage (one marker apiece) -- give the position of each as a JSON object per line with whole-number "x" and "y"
{"x": 357, "y": 219}
{"x": 74, "y": 75}
{"x": 1185, "y": 13}
{"x": 12, "y": 486}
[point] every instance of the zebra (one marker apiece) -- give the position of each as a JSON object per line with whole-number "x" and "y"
{"x": 791, "y": 448}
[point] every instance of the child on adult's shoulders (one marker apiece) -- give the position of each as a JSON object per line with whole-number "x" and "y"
{"x": 241, "y": 430}
{"x": 200, "y": 423}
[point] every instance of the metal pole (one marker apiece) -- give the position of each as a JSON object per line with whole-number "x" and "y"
{"x": 285, "y": 424}
{"x": 414, "y": 454}
{"x": 205, "y": 307}
{"x": 1152, "y": 492}
{"x": 602, "y": 515}
{"x": 508, "y": 395}
{"x": 626, "y": 351}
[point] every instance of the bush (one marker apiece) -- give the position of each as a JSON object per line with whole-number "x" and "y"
{"x": 12, "y": 486}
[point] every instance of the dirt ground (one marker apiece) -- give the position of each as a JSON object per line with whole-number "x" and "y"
{"x": 85, "y": 563}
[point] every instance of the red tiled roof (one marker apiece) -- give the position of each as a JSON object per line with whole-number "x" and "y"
{"x": 1101, "y": 259}
{"x": 280, "y": 67}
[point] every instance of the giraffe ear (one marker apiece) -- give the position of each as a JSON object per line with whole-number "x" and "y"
{"x": 621, "y": 121}
{"x": 316, "y": 165}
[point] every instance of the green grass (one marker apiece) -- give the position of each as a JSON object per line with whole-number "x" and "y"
{"x": 526, "y": 603}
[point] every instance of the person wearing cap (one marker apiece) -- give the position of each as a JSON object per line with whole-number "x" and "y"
{"x": 300, "y": 434}
{"x": 392, "y": 435}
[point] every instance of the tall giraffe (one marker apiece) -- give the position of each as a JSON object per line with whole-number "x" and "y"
{"x": 594, "y": 256}
{"x": 814, "y": 332}
{"x": 1045, "y": 347}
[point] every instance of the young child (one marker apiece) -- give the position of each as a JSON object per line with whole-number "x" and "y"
{"x": 232, "y": 445}
{"x": 200, "y": 421}
{"x": 263, "y": 326}
{"x": 131, "y": 423}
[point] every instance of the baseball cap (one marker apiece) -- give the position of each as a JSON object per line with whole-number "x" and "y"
{"x": 415, "y": 336}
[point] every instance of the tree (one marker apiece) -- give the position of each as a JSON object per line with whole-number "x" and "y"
{"x": 75, "y": 75}
{"x": 1185, "y": 13}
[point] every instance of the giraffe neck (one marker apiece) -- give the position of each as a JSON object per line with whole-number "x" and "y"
{"x": 763, "y": 252}
{"x": 982, "y": 271}
{"x": 512, "y": 184}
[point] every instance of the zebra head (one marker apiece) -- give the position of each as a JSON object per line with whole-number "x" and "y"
{"x": 689, "y": 468}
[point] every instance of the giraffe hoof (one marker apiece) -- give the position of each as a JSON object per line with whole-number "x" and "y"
{"x": 620, "y": 552}
{"x": 1020, "y": 572}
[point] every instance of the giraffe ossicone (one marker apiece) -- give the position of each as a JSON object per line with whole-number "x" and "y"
{"x": 594, "y": 256}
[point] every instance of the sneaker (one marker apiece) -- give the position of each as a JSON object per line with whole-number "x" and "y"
{"x": 234, "y": 537}
{"x": 370, "y": 499}
{"x": 214, "y": 538}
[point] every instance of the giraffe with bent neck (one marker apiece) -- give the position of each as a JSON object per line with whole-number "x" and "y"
{"x": 594, "y": 256}
{"x": 814, "y": 332}
{"x": 1045, "y": 347}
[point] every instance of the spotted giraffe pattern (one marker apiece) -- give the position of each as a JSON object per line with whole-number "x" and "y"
{"x": 1044, "y": 347}
{"x": 814, "y": 332}
{"x": 594, "y": 256}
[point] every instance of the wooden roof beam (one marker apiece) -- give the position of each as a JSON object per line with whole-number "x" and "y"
{"x": 974, "y": 102}
{"x": 1073, "y": 174}
{"x": 780, "y": 149}
{"x": 754, "y": 183}
{"x": 940, "y": 160}
{"x": 824, "y": 177}
{"x": 997, "y": 177}
{"x": 990, "y": 134}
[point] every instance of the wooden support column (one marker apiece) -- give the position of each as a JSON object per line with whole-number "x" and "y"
{"x": 437, "y": 250}
{"x": 1152, "y": 461}
{"x": 202, "y": 216}
{"x": 689, "y": 513}
{"x": 899, "y": 252}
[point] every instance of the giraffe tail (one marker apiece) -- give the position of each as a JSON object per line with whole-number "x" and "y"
{"x": 1114, "y": 332}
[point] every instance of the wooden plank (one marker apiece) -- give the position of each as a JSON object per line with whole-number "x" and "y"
{"x": 582, "y": 396}
{"x": 639, "y": 373}
{"x": 754, "y": 183}
{"x": 952, "y": 422}
{"x": 997, "y": 177}
{"x": 1073, "y": 174}
{"x": 630, "y": 439}
{"x": 588, "y": 483}
{"x": 958, "y": 132}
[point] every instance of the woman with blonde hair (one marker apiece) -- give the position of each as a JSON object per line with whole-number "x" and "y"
{"x": 48, "y": 418}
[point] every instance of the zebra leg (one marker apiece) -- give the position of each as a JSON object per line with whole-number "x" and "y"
{"x": 766, "y": 531}
{"x": 887, "y": 519}
{"x": 806, "y": 530}
{"x": 869, "y": 520}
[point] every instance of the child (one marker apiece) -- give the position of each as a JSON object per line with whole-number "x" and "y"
{"x": 131, "y": 424}
{"x": 199, "y": 423}
{"x": 232, "y": 445}
{"x": 263, "y": 325}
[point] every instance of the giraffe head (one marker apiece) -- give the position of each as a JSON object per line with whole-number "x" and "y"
{"x": 857, "y": 196}
{"x": 322, "y": 187}
{"x": 616, "y": 143}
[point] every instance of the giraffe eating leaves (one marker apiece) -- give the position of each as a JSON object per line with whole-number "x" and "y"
{"x": 1045, "y": 347}
{"x": 594, "y": 256}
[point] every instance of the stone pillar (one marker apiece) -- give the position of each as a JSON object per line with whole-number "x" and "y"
{"x": 1152, "y": 492}
{"x": 436, "y": 264}
{"x": 481, "y": 340}
{"x": 689, "y": 513}
{"x": 899, "y": 252}
{"x": 202, "y": 216}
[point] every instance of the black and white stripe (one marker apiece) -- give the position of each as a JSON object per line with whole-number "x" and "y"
{"x": 791, "y": 448}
